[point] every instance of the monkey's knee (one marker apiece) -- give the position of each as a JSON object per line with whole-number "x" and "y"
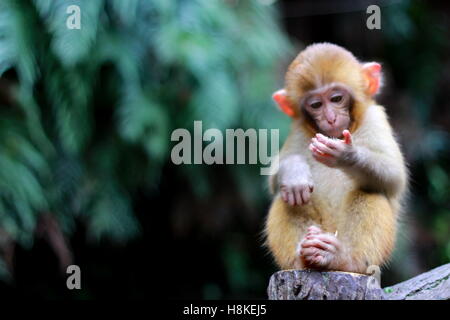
{"x": 373, "y": 229}
{"x": 283, "y": 231}
{"x": 368, "y": 203}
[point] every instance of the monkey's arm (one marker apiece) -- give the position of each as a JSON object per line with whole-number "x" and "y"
{"x": 289, "y": 165}
{"x": 293, "y": 177}
{"x": 377, "y": 167}
{"x": 377, "y": 163}
{"x": 377, "y": 170}
{"x": 373, "y": 159}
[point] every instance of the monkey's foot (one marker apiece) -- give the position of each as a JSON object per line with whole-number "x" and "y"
{"x": 318, "y": 249}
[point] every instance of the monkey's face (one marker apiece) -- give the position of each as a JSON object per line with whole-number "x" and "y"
{"x": 329, "y": 109}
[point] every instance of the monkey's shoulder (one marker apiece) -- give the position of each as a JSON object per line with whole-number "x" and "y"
{"x": 374, "y": 121}
{"x": 375, "y": 130}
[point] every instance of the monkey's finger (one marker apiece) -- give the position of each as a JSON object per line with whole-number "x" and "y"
{"x": 317, "y": 153}
{"x": 298, "y": 196}
{"x": 314, "y": 149}
{"x": 347, "y": 136}
{"x": 284, "y": 195}
{"x": 310, "y": 234}
{"x": 323, "y": 148}
{"x": 327, "y": 141}
{"x": 306, "y": 195}
{"x": 329, "y": 239}
{"x": 319, "y": 261}
{"x": 314, "y": 230}
{"x": 316, "y": 243}
{"x": 291, "y": 198}
{"x": 309, "y": 253}
{"x": 315, "y": 258}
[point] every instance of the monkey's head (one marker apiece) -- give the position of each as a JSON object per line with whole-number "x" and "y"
{"x": 328, "y": 88}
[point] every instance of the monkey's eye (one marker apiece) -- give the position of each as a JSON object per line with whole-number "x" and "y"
{"x": 336, "y": 98}
{"x": 316, "y": 104}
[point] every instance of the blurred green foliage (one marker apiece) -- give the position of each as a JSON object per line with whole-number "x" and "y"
{"x": 89, "y": 123}
{"x": 416, "y": 30}
{"x": 94, "y": 108}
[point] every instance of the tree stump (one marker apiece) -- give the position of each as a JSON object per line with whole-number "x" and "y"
{"x": 315, "y": 285}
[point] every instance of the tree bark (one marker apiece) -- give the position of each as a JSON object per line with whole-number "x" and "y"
{"x": 431, "y": 285}
{"x": 335, "y": 285}
{"x": 315, "y": 285}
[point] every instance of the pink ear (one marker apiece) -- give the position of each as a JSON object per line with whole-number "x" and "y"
{"x": 282, "y": 101}
{"x": 372, "y": 70}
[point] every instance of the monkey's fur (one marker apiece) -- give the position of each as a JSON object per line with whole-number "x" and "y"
{"x": 361, "y": 202}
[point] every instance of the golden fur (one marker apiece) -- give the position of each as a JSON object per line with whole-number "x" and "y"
{"x": 363, "y": 209}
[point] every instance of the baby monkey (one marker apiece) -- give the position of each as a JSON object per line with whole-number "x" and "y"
{"x": 341, "y": 177}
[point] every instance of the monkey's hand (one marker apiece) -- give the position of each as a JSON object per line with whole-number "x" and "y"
{"x": 295, "y": 181}
{"x": 333, "y": 152}
{"x": 320, "y": 250}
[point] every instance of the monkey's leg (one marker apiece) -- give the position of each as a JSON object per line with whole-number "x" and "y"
{"x": 365, "y": 236}
{"x": 367, "y": 231}
{"x": 284, "y": 228}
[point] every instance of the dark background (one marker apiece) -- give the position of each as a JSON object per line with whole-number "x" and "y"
{"x": 115, "y": 205}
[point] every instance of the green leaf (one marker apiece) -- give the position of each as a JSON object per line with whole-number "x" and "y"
{"x": 216, "y": 103}
{"x": 112, "y": 217}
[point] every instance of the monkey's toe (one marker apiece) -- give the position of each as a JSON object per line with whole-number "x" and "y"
{"x": 315, "y": 242}
{"x": 317, "y": 251}
{"x": 315, "y": 258}
{"x": 314, "y": 230}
